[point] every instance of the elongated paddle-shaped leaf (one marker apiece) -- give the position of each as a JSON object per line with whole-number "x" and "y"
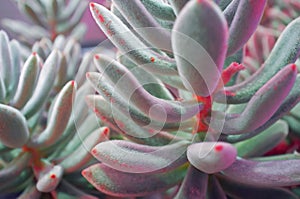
{"x": 117, "y": 183}
{"x": 135, "y": 158}
{"x": 200, "y": 45}
{"x": 13, "y": 127}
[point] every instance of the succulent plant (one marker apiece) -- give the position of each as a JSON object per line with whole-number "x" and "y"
{"x": 180, "y": 64}
{"x": 44, "y": 137}
{"x": 50, "y": 18}
{"x": 196, "y": 103}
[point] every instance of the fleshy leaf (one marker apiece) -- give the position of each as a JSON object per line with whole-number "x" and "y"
{"x": 289, "y": 102}
{"x": 120, "y": 123}
{"x": 200, "y": 45}
{"x": 129, "y": 44}
{"x": 263, "y": 142}
{"x": 58, "y": 119}
{"x": 265, "y": 173}
{"x": 135, "y": 158}
{"x": 121, "y": 184}
{"x": 159, "y": 9}
{"x": 194, "y": 185}
{"x": 81, "y": 155}
{"x": 27, "y": 81}
{"x": 129, "y": 87}
{"x": 14, "y": 168}
{"x": 30, "y": 192}
{"x": 140, "y": 19}
{"x": 215, "y": 190}
{"x": 285, "y": 51}
{"x": 251, "y": 118}
{"x": 244, "y": 23}
{"x": 49, "y": 179}
{"x": 44, "y": 85}
{"x": 240, "y": 190}
{"x": 14, "y": 132}
{"x": 211, "y": 157}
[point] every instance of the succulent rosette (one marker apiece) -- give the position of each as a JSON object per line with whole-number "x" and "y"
{"x": 186, "y": 128}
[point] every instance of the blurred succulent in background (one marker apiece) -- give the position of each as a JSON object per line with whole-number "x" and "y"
{"x": 44, "y": 137}
{"x": 50, "y": 18}
{"x": 163, "y": 74}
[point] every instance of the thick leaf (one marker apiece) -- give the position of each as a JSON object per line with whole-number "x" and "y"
{"x": 121, "y": 124}
{"x": 128, "y": 86}
{"x": 129, "y": 44}
{"x": 265, "y": 173}
{"x": 30, "y": 192}
{"x": 211, "y": 157}
{"x": 5, "y": 59}
{"x": 135, "y": 158}
{"x": 44, "y": 85}
{"x": 252, "y": 117}
{"x": 194, "y": 185}
{"x": 263, "y": 142}
{"x": 159, "y": 9}
{"x": 73, "y": 191}
{"x": 199, "y": 40}
{"x": 81, "y": 155}
{"x": 231, "y": 10}
{"x": 244, "y": 23}
{"x": 15, "y": 67}
{"x": 27, "y": 81}
{"x": 140, "y": 19}
{"x": 49, "y": 179}
{"x": 14, "y": 168}
{"x": 215, "y": 190}
{"x": 117, "y": 183}
{"x": 58, "y": 119}
{"x": 285, "y": 51}
{"x": 14, "y": 132}
{"x": 240, "y": 190}
{"x": 289, "y": 102}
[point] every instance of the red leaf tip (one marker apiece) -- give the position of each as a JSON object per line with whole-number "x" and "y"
{"x": 52, "y": 176}
{"x": 92, "y": 5}
{"x": 34, "y": 53}
{"x": 106, "y": 132}
{"x": 97, "y": 57}
{"x": 294, "y": 67}
{"x": 218, "y": 148}
{"x": 94, "y": 151}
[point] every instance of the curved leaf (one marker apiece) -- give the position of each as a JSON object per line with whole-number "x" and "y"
{"x": 117, "y": 183}
{"x": 129, "y": 44}
{"x": 27, "y": 81}
{"x": 81, "y": 155}
{"x": 135, "y": 158}
{"x": 244, "y": 23}
{"x": 252, "y": 118}
{"x": 140, "y": 19}
{"x": 58, "y": 119}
